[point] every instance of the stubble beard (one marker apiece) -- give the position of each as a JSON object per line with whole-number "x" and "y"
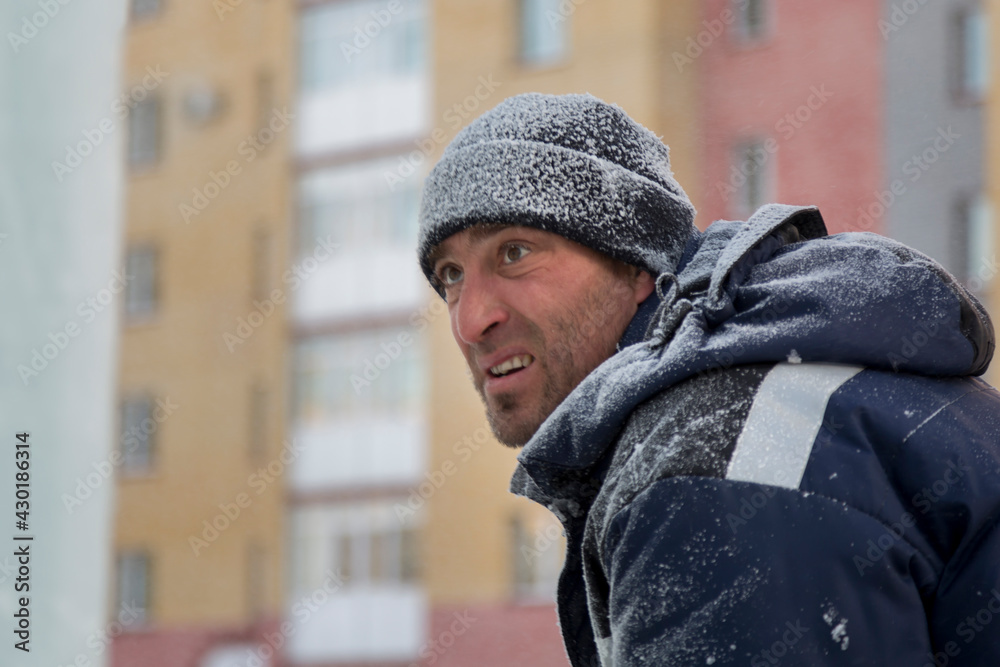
{"x": 561, "y": 370}
{"x": 501, "y": 411}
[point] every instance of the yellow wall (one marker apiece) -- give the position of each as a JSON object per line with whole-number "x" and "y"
{"x": 206, "y": 276}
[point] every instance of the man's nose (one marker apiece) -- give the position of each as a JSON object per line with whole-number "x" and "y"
{"x": 479, "y": 310}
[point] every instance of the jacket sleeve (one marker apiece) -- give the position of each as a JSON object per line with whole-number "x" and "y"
{"x": 957, "y": 505}
{"x": 707, "y": 571}
{"x": 965, "y": 613}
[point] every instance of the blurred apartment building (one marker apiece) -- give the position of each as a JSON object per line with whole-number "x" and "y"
{"x": 374, "y": 526}
{"x": 873, "y": 111}
{"x": 326, "y": 490}
{"x": 199, "y": 526}
{"x": 402, "y": 489}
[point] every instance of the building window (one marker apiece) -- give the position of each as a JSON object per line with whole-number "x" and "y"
{"x": 360, "y": 42}
{"x": 363, "y": 78}
{"x": 262, "y": 280}
{"x": 256, "y": 581}
{"x": 259, "y": 422}
{"x": 365, "y": 555}
{"x": 974, "y": 252}
{"x": 373, "y": 373}
{"x": 971, "y": 55}
{"x": 138, "y": 435}
{"x": 141, "y": 286}
{"x": 266, "y": 99}
{"x": 367, "y": 544}
{"x": 361, "y": 205}
{"x": 750, "y": 177}
{"x": 144, "y": 9}
{"x": 144, "y": 128}
{"x": 377, "y": 557}
{"x": 133, "y": 585}
{"x": 543, "y": 32}
{"x": 751, "y": 19}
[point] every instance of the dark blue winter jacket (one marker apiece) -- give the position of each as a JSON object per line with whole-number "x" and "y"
{"x": 796, "y": 465}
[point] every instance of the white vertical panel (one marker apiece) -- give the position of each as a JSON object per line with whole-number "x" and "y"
{"x": 59, "y": 245}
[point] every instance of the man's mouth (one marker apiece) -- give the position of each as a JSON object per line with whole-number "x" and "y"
{"x": 512, "y": 365}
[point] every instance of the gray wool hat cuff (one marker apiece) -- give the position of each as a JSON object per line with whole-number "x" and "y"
{"x": 578, "y": 195}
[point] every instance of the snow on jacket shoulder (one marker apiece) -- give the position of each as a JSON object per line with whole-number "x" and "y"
{"x": 795, "y": 467}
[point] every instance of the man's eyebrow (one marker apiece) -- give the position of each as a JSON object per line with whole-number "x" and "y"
{"x": 434, "y": 256}
{"x": 477, "y": 233}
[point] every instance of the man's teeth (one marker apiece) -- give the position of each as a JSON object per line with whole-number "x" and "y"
{"x": 522, "y": 361}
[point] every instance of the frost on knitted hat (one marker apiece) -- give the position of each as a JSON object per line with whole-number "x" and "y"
{"x": 570, "y": 164}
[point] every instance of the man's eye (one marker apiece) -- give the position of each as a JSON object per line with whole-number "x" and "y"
{"x": 512, "y": 253}
{"x": 450, "y": 275}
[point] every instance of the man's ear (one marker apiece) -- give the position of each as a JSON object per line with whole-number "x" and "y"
{"x": 643, "y": 285}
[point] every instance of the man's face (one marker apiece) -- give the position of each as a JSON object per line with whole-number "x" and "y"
{"x": 533, "y": 313}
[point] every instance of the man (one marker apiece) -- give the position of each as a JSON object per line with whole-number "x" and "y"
{"x": 766, "y": 444}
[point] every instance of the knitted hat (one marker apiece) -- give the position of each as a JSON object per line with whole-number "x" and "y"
{"x": 569, "y": 164}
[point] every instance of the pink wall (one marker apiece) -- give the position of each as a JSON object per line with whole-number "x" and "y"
{"x": 484, "y": 636}
{"x": 185, "y": 647}
{"x": 831, "y": 155}
{"x": 495, "y": 636}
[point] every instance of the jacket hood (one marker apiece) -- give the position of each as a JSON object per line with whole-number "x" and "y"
{"x": 773, "y": 289}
